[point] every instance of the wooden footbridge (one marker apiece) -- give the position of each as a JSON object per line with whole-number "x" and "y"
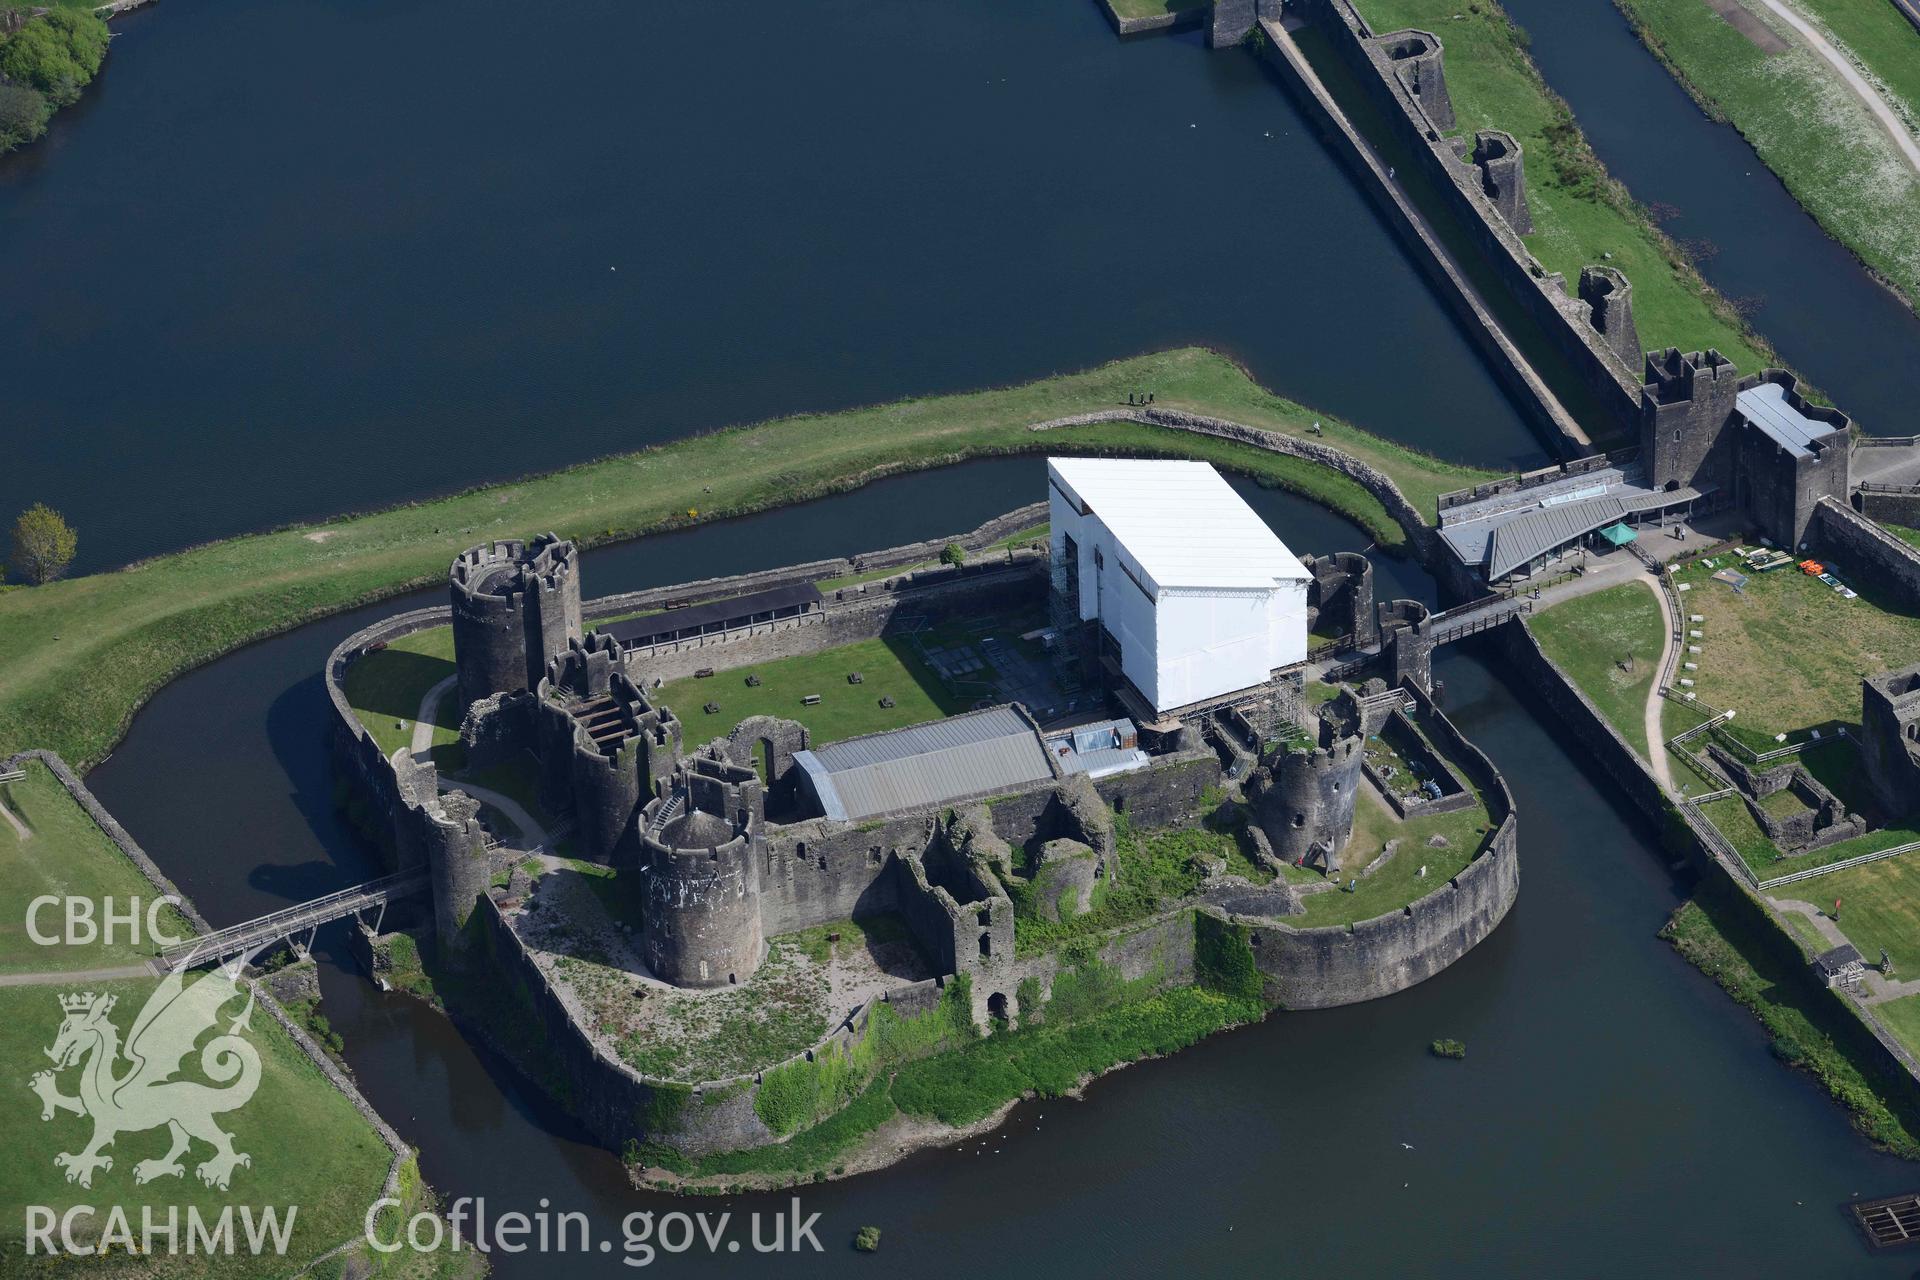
{"x": 291, "y": 922}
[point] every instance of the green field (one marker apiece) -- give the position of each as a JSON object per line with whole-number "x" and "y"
{"x": 66, "y": 855}
{"x": 385, "y": 687}
{"x": 1591, "y": 637}
{"x": 1581, "y": 214}
{"x": 1803, "y": 121}
{"x": 126, "y": 633}
{"x": 1902, "y": 1018}
{"x": 890, "y": 666}
{"x": 1787, "y": 653}
{"x": 1880, "y": 907}
{"x": 1903, "y": 533}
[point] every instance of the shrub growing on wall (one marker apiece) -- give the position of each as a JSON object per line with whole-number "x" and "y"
{"x": 1223, "y": 957}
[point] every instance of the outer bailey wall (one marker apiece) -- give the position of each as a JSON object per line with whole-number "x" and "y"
{"x": 819, "y": 871}
{"x": 1322, "y": 968}
{"x": 1553, "y": 312}
{"x": 1892, "y": 508}
{"x": 1858, "y": 543}
{"x": 1325, "y": 967}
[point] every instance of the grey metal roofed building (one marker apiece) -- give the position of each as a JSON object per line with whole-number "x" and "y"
{"x": 1506, "y": 533}
{"x": 979, "y": 753}
{"x": 1766, "y": 407}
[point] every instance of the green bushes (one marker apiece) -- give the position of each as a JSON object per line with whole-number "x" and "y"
{"x": 57, "y": 54}
{"x": 1223, "y": 957}
{"x": 23, "y": 115}
{"x": 968, "y": 1084}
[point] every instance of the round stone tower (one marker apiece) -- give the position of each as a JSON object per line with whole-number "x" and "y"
{"x": 1407, "y": 643}
{"x": 1307, "y": 809}
{"x": 700, "y": 849}
{"x": 515, "y": 606}
{"x": 450, "y": 838}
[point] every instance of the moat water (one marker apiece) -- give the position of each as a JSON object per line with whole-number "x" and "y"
{"x": 288, "y": 260}
{"x": 1617, "y": 1114}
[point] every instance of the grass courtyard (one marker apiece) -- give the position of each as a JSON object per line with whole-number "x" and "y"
{"x": 1880, "y": 907}
{"x": 1397, "y": 881}
{"x": 1787, "y": 652}
{"x": 65, "y": 855}
{"x": 1580, "y": 212}
{"x": 1591, "y": 638}
{"x": 385, "y": 688}
{"x": 890, "y": 667}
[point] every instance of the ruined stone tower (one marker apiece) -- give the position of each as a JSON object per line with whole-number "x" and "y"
{"x": 1340, "y": 596}
{"x": 1890, "y": 738}
{"x": 602, "y": 745}
{"x": 701, "y": 845}
{"x": 441, "y": 831}
{"x": 1407, "y": 643}
{"x": 1306, "y": 809}
{"x": 515, "y": 606}
{"x": 1609, "y": 298}
{"x": 1503, "y": 176}
{"x": 1415, "y": 59}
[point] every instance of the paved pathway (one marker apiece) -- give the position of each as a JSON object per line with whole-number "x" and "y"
{"x": 76, "y": 978}
{"x": 1862, "y": 88}
{"x": 1655, "y": 721}
{"x": 423, "y": 723}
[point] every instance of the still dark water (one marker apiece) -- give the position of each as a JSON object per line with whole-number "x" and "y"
{"x": 313, "y": 256}
{"x": 1828, "y": 318}
{"x": 1618, "y": 1116}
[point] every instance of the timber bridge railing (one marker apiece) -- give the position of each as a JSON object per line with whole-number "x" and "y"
{"x": 239, "y": 939}
{"x": 1472, "y": 618}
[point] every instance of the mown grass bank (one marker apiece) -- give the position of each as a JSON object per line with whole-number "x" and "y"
{"x": 1582, "y": 215}
{"x": 82, "y": 655}
{"x": 1804, "y": 122}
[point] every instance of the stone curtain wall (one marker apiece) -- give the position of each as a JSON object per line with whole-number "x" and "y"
{"x": 1563, "y": 319}
{"x": 1866, "y": 551}
{"x": 1892, "y": 508}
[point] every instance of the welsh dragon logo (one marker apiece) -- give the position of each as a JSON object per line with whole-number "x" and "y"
{"x": 131, "y": 1088}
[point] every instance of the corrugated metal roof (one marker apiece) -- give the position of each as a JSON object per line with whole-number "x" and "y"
{"x": 737, "y": 609}
{"x": 1505, "y": 542}
{"x": 1182, "y": 523}
{"x": 1766, "y": 407}
{"x": 976, "y": 754}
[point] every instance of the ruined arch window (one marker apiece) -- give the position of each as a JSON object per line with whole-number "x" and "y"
{"x": 997, "y": 1006}
{"x": 986, "y": 917}
{"x": 986, "y": 944}
{"x": 1299, "y": 819}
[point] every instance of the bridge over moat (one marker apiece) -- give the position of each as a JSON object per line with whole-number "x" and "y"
{"x": 290, "y": 922}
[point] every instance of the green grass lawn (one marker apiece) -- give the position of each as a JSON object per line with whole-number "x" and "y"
{"x": 1903, "y": 533}
{"x": 1591, "y": 636}
{"x": 385, "y": 687}
{"x": 128, "y": 632}
{"x": 1397, "y": 882}
{"x": 1880, "y": 907}
{"x": 66, "y": 855}
{"x": 1902, "y": 1018}
{"x": 1803, "y": 121}
{"x": 1154, "y": 8}
{"x": 310, "y": 1148}
{"x": 1788, "y": 652}
{"x": 1580, "y": 212}
{"x": 890, "y": 666}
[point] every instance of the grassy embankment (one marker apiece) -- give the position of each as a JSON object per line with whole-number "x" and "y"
{"x": 1155, "y": 8}
{"x": 1801, "y": 1020}
{"x": 310, "y": 1148}
{"x": 1802, "y": 119}
{"x": 83, "y": 654}
{"x": 65, "y": 855}
{"x": 1581, "y": 214}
